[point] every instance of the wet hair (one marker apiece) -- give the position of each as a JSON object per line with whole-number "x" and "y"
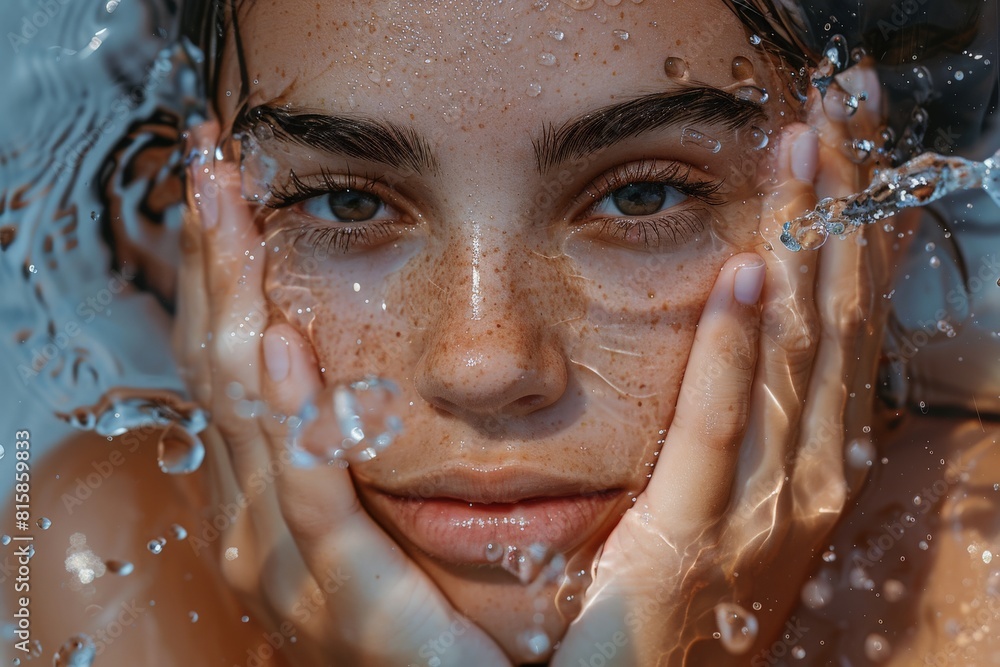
{"x": 916, "y": 47}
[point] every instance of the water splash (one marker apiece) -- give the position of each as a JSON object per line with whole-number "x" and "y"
{"x": 77, "y": 651}
{"x": 737, "y": 627}
{"x": 835, "y": 60}
{"x": 921, "y": 181}
{"x": 179, "y": 449}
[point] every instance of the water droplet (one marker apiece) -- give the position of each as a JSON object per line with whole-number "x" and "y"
{"x": 2, "y": 451}
{"x": 35, "y": 648}
{"x": 860, "y": 150}
{"x": 737, "y": 626}
{"x": 852, "y": 102}
{"x": 817, "y": 593}
{"x": 959, "y": 75}
{"x": 374, "y": 76}
{"x": 923, "y": 407}
{"x": 692, "y": 137}
{"x": 77, "y": 651}
{"x": 757, "y": 606}
{"x": 546, "y": 58}
{"x": 742, "y": 68}
{"x": 155, "y": 546}
{"x": 752, "y": 94}
{"x": 535, "y": 642}
{"x": 179, "y": 451}
{"x": 987, "y": 556}
{"x": 829, "y": 556}
{"x": 621, "y": 34}
{"x": 245, "y": 619}
{"x": 557, "y": 35}
{"x": 193, "y": 615}
{"x": 934, "y": 262}
{"x": 893, "y": 590}
{"x": 111, "y": 6}
{"x": 612, "y": 3}
{"x": 675, "y": 68}
{"x": 930, "y": 246}
{"x": 798, "y": 652}
{"x": 122, "y": 568}
{"x": 578, "y": 4}
{"x": 877, "y": 648}
{"x": 494, "y": 552}
{"x": 534, "y": 89}
{"x": 757, "y": 138}
{"x": 860, "y": 453}
{"x": 755, "y": 40}
{"x": 232, "y": 553}
{"x": 178, "y": 531}
{"x": 43, "y": 523}
{"x": 5, "y": 540}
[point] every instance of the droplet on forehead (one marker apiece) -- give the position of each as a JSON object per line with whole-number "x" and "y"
{"x": 742, "y": 68}
{"x": 578, "y": 4}
{"x": 757, "y": 138}
{"x": 752, "y": 94}
{"x": 675, "y": 68}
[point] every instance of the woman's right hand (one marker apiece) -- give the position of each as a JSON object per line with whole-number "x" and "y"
{"x": 323, "y": 565}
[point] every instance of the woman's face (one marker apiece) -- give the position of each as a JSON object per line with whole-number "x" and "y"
{"x": 512, "y": 212}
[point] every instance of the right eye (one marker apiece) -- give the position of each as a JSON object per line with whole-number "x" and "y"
{"x": 348, "y": 205}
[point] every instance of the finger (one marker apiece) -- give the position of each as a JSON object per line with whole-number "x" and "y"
{"x": 694, "y": 471}
{"x": 337, "y": 537}
{"x": 787, "y": 344}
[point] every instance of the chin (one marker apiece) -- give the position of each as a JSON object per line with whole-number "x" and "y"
{"x": 514, "y": 556}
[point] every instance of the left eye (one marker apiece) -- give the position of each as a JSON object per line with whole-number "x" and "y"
{"x": 345, "y": 206}
{"x": 639, "y": 199}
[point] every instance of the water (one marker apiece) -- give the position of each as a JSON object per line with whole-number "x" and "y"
{"x": 78, "y": 651}
{"x": 923, "y": 180}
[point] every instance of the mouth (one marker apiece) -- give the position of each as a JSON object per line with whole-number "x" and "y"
{"x": 481, "y": 518}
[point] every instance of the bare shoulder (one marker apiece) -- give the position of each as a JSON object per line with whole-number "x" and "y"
{"x": 909, "y": 575}
{"x": 92, "y": 572}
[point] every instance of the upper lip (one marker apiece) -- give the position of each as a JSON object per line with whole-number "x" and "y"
{"x": 498, "y": 484}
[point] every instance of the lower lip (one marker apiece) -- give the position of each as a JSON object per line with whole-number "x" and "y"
{"x": 476, "y": 534}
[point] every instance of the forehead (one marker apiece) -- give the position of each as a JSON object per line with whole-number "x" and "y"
{"x": 525, "y": 56}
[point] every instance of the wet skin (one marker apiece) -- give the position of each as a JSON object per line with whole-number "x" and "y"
{"x": 537, "y": 328}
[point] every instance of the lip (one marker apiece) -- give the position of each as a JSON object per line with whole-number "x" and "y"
{"x": 504, "y": 508}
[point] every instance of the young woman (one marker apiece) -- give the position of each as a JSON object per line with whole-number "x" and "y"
{"x": 504, "y": 359}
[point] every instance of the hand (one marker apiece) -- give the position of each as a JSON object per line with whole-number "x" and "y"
{"x": 322, "y": 563}
{"x": 751, "y": 477}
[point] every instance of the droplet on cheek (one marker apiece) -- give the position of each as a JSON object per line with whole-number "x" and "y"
{"x": 675, "y": 68}
{"x": 742, "y": 68}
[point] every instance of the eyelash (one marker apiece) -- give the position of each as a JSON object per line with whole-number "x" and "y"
{"x": 339, "y": 237}
{"x": 676, "y": 225}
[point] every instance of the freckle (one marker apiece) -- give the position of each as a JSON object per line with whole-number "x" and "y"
{"x": 678, "y": 42}
{"x": 617, "y": 47}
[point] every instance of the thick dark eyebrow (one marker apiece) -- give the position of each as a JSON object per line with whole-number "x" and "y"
{"x": 600, "y": 129}
{"x": 354, "y": 136}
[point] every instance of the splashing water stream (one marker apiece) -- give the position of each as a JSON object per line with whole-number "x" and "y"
{"x": 921, "y": 181}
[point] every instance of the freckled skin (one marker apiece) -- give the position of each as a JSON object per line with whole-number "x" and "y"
{"x": 521, "y": 336}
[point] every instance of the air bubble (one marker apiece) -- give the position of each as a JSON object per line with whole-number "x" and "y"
{"x": 934, "y": 262}
{"x": 675, "y": 68}
{"x": 535, "y": 642}
{"x": 798, "y": 652}
{"x": 737, "y": 627}
{"x": 959, "y": 75}
{"x": 742, "y": 68}
{"x": 877, "y": 648}
{"x": 692, "y": 137}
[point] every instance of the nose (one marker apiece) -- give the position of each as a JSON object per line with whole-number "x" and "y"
{"x": 491, "y": 350}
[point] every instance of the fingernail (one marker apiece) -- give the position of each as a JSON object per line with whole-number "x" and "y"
{"x": 805, "y": 156}
{"x": 749, "y": 282}
{"x": 276, "y": 357}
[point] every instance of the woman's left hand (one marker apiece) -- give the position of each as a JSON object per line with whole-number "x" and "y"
{"x": 751, "y": 478}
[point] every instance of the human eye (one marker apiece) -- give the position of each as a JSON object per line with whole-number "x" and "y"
{"x": 649, "y": 205}
{"x": 336, "y": 212}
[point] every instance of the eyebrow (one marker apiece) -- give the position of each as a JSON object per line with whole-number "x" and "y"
{"x": 600, "y": 129}
{"x": 356, "y": 136}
